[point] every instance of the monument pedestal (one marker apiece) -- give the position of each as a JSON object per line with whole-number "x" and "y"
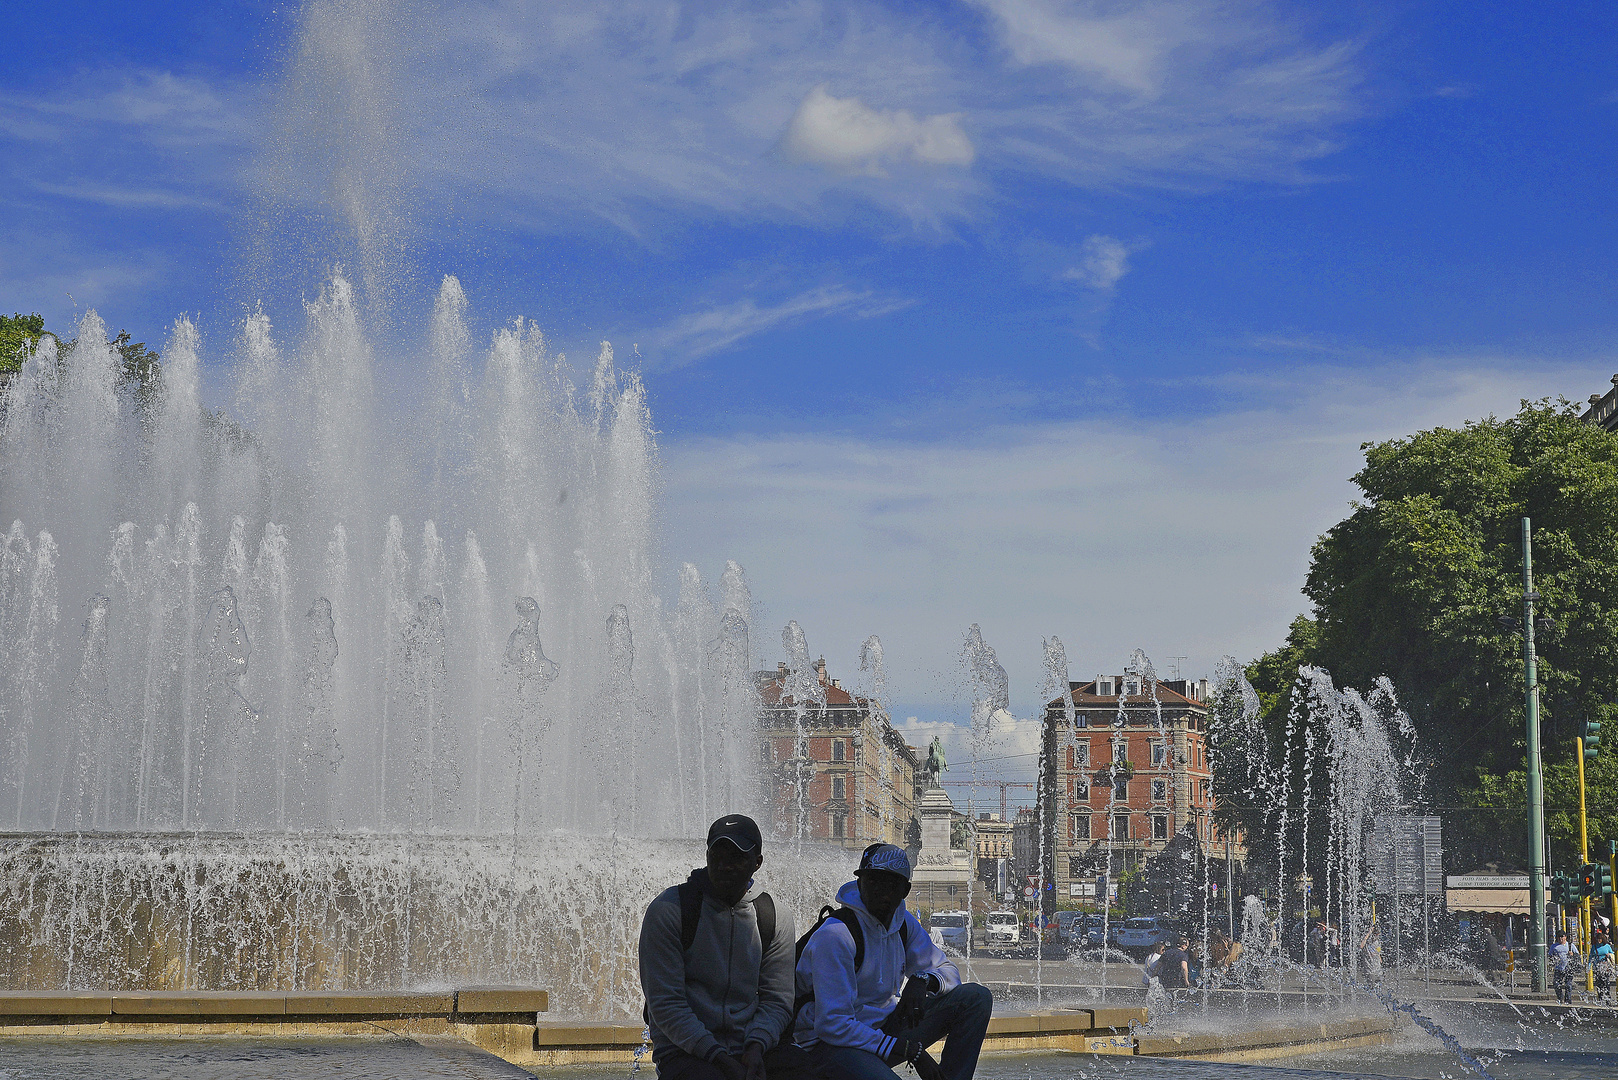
{"x": 942, "y": 872}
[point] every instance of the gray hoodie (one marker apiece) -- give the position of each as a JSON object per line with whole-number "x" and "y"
{"x": 721, "y": 994}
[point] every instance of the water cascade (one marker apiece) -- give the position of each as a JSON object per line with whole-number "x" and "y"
{"x": 991, "y": 695}
{"x": 284, "y": 625}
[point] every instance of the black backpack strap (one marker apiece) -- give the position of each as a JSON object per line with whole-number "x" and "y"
{"x": 690, "y": 912}
{"x": 764, "y": 912}
{"x": 849, "y": 919}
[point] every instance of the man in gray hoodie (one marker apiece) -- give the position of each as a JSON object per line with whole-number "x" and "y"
{"x": 716, "y": 961}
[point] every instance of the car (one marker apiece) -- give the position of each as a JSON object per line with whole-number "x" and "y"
{"x": 1003, "y": 930}
{"x": 1083, "y": 929}
{"x": 1140, "y": 934}
{"x": 949, "y": 929}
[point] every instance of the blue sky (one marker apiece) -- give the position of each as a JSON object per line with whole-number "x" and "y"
{"x": 1055, "y": 317}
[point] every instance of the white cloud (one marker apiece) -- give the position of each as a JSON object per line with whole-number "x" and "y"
{"x": 1124, "y": 47}
{"x": 700, "y": 333}
{"x": 135, "y": 198}
{"x": 1102, "y": 262}
{"x": 1183, "y": 530}
{"x": 845, "y": 133}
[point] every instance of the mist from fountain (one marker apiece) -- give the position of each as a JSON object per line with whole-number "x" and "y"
{"x": 251, "y": 593}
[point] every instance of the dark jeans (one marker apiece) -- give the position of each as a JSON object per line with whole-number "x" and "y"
{"x": 782, "y": 1063}
{"x": 960, "y": 1017}
{"x": 1564, "y": 987}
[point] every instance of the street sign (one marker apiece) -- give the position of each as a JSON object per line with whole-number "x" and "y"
{"x": 1407, "y": 855}
{"x": 1028, "y": 892}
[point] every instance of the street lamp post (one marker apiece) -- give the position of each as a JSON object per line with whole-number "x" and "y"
{"x": 1536, "y": 784}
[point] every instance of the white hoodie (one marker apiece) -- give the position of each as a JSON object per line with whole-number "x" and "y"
{"x": 847, "y": 1009}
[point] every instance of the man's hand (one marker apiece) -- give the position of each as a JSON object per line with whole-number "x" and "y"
{"x": 753, "y": 1061}
{"x": 919, "y": 992}
{"x": 927, "y": 1068}
{"x": 729, "y": 1066}
{"x": 903, "y": 1050}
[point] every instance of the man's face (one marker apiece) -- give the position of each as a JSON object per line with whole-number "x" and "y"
{"x": 730, "y": 868}
{"x": 882, "y": 893}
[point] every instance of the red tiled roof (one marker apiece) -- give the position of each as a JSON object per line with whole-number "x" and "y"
{"x": 1084, "y": 694}
{"x": 770, "y": 688}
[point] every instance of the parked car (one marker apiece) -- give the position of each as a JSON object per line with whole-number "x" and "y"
{"x": 1003, "y": 930}
{"x": 950, "y": 930}
{"x": 1084, "y": 929}
{"x": 1140, "y": 934}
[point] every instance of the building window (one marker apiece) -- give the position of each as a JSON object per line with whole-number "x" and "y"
{"x": 1120, "y": 750}
{"x": 838, "y": 824}
{"x": 837, "y": 750}
{"x": 838, "y": 791}
{"x": 1120, "y": 826}
{"x": 1081, "y": 720}
{"x": 1160, "y": 754}
{"x": 1078, "y": 755}
{"x": 1079, "y": 791}
{"x": 1120, "y": 790}
{"x": 1160, "y": 827}
{"x": 1160, "y": 790}
{"x": 1078, "y": 827}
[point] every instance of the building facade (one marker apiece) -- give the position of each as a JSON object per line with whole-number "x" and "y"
{"x": 1126, "y": 770}
{"x": 845, "y": 776}
{"x": 1603, "y": 410}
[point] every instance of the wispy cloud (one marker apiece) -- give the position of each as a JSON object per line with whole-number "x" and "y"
{"x": 701, "y": 333}
{"x": 1103, "y": 261}
{"x": 146, "y": 198}
{"x": 621, "y": 111}
{"x": 1180, "y": 533}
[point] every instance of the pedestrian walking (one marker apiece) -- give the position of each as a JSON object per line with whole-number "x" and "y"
{"x": 1603, "y": 960}
{"x": 1564, "y": 959}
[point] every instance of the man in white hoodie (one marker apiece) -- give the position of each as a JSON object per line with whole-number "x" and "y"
{"x": 851, "y": 973}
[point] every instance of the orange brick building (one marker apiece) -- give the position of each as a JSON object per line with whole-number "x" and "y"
{"x": 1131, "y": 772}
{"x": 850, "y": 780}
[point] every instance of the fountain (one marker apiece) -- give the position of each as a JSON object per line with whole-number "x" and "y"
{"x": 259, "y": 665}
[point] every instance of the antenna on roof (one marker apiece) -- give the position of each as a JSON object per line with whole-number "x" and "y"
{"x": 1177, "y": 660}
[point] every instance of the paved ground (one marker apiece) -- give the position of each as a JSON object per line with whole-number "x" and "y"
{"x": 1016, "y": 981}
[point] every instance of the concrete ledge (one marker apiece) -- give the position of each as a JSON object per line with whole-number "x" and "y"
{"x": 198, "y": 1003}
{"x": 14, "y": 1003}
{"x": 1268, "y": 1042}
{"x": 501, "y": 999}
{"x": 368, "y": 1003}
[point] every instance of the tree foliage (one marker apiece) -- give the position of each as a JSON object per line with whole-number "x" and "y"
{"x": 1413, "y": 585}
{"x": 18, "y": 333}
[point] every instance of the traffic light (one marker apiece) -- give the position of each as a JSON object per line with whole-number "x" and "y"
{"x": 1603, "y": 879}
{"x": 1590, "y": 732}
{"x": 1558, "y": 889}
{"x": 1588, "y": 880}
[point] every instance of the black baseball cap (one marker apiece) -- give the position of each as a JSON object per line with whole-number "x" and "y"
{"x": 739, "y": 829}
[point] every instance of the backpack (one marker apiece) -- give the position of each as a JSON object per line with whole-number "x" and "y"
{"x": 691, "y": 914}
{"x": 848, "y": 917}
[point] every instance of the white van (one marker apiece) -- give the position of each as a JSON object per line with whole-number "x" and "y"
{"x": 1003, "y": 930}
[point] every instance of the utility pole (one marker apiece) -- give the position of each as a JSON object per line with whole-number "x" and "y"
{"x": 1586, "y": 943}
{"x": 1536, "y": 782}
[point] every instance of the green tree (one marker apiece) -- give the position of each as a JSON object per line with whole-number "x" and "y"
{"x": 18, "y": 333}
{"x": 1413, "y": 585}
